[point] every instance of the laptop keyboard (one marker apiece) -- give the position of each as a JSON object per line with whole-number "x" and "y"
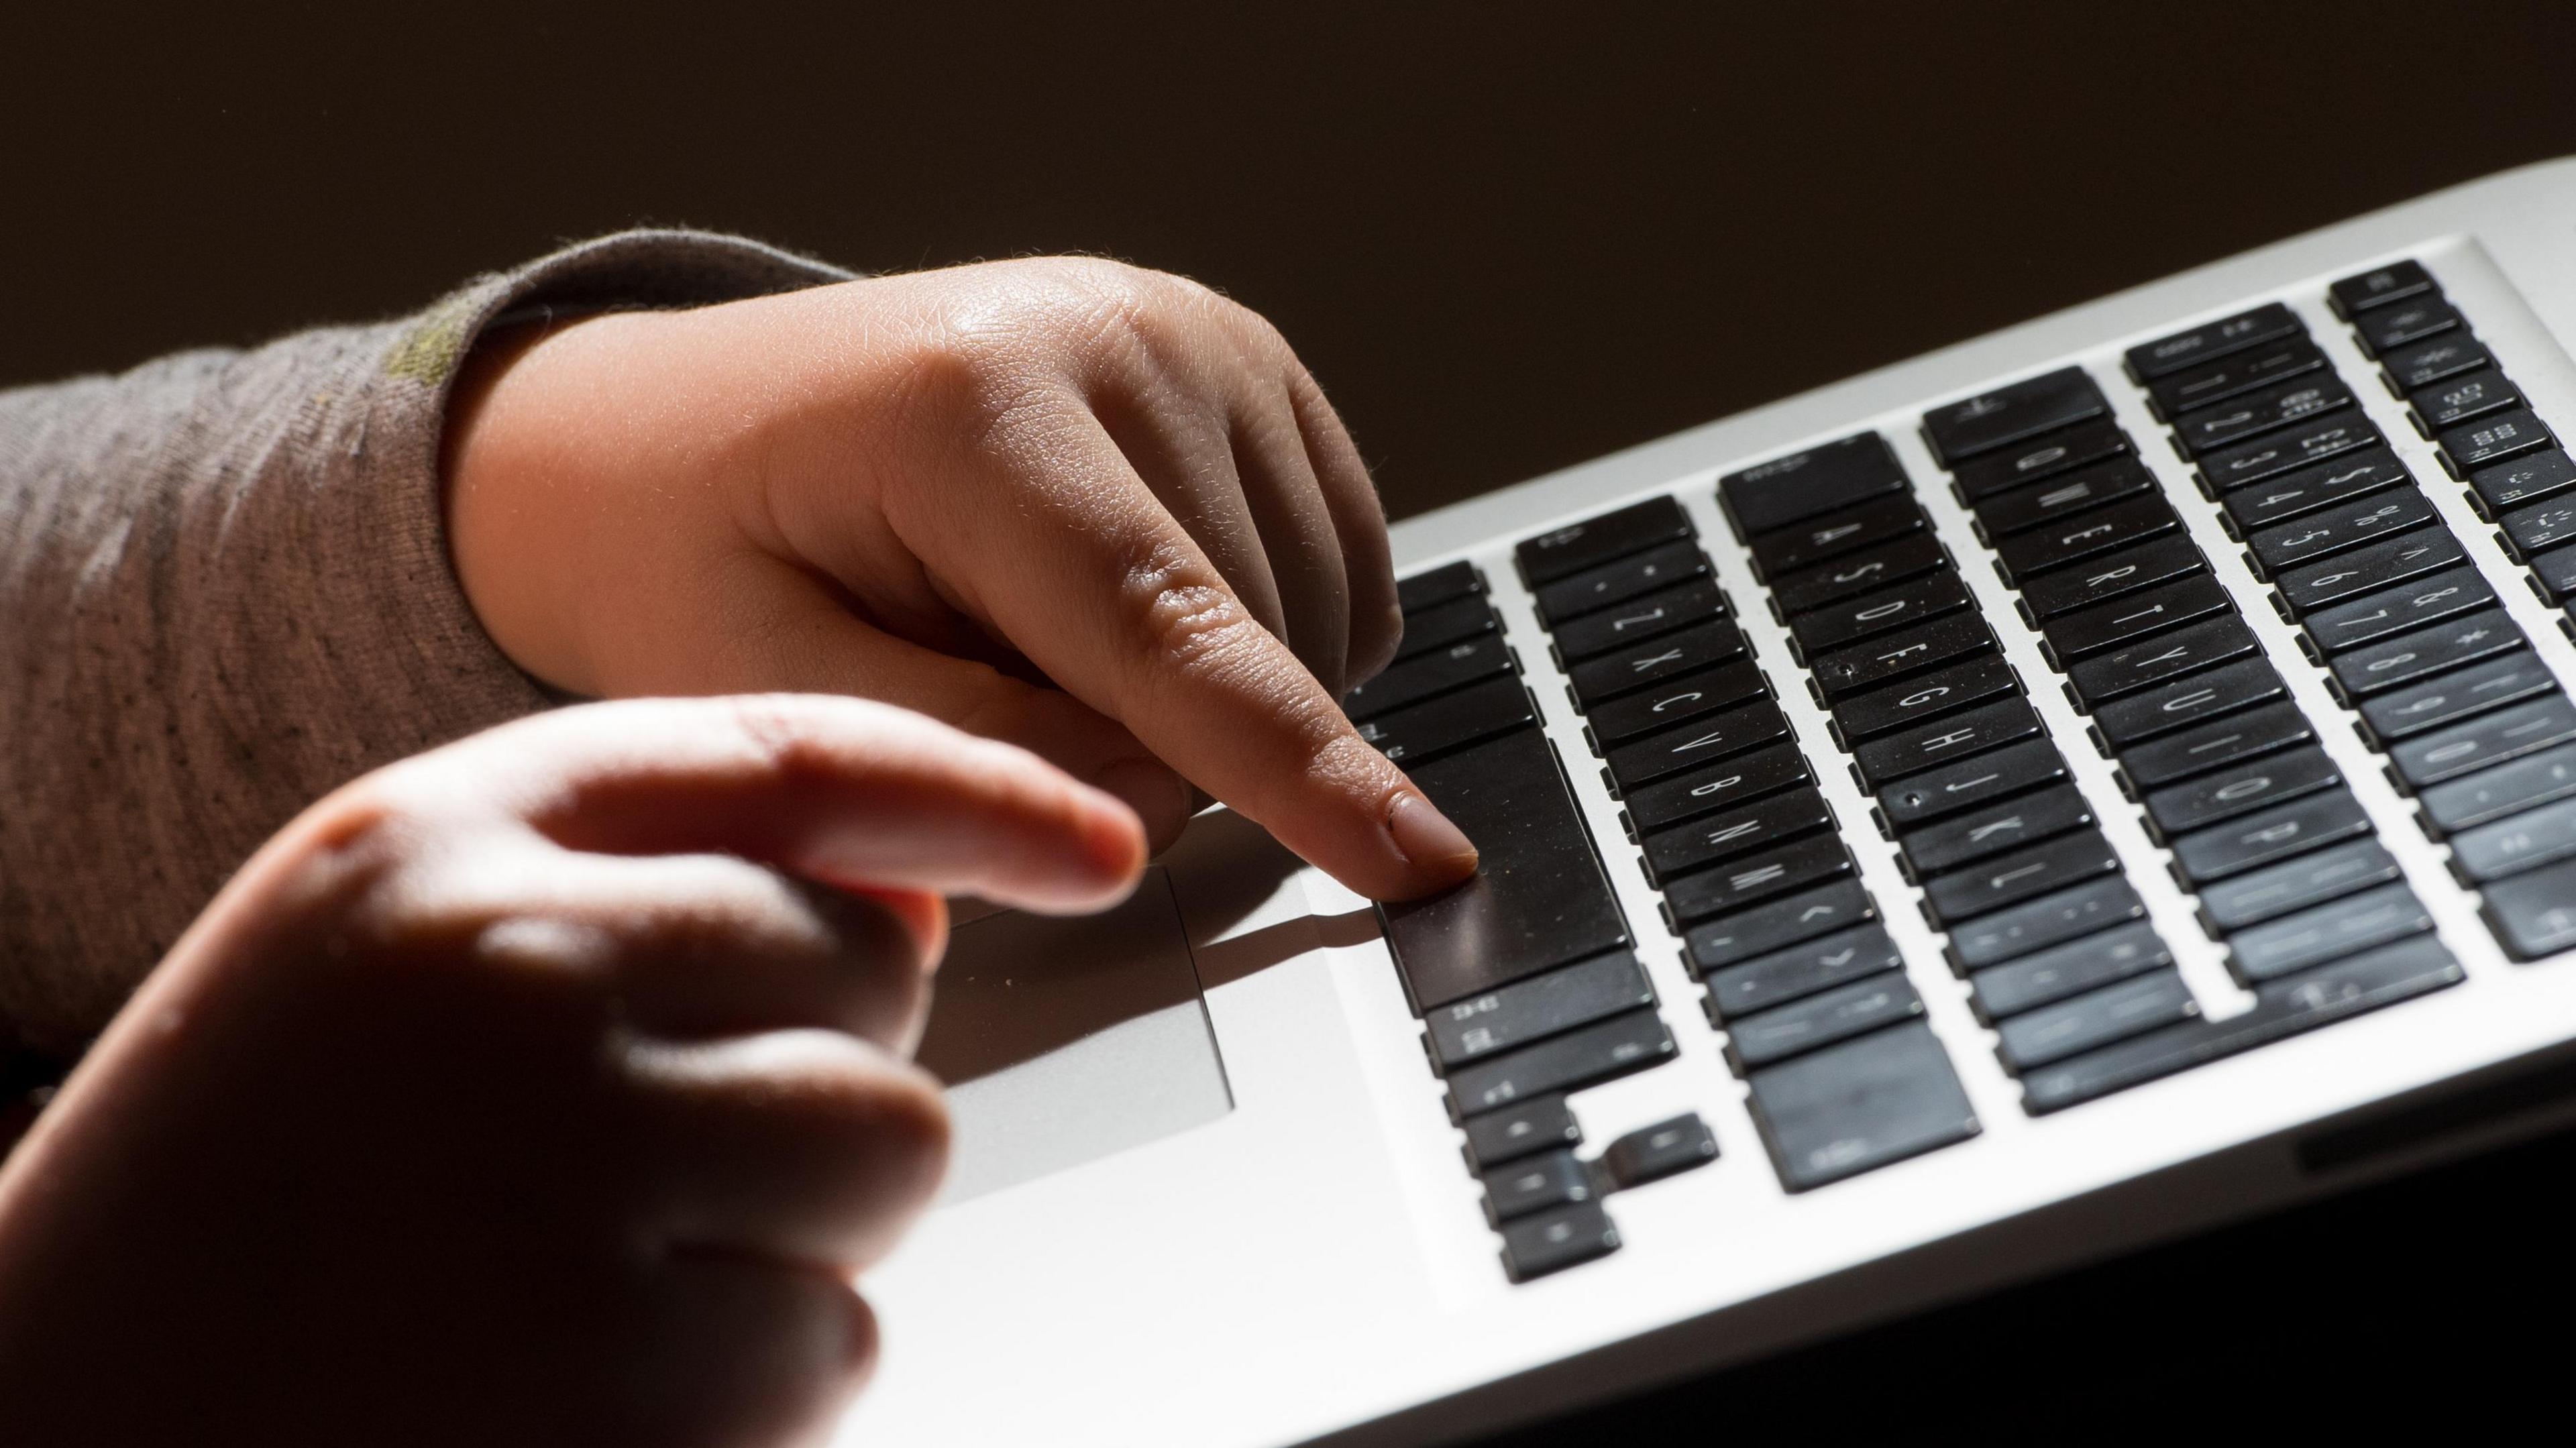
{"x": 1527, "y": 978}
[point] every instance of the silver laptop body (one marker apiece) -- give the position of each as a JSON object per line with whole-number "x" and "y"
{"x": 2172, "y": 815}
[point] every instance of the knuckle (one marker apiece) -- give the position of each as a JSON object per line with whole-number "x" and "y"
{"x": 965, "y": 378}
{"x": 1185, "y": 620}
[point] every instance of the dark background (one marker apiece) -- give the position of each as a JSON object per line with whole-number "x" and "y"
{"x": 1507, "y": 237}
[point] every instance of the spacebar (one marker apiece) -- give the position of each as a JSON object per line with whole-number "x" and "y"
{"x": 1538, "y": 898}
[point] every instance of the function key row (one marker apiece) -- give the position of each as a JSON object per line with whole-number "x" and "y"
{"x": 2083, "y": 994}
{"x": 2474, "y": 726}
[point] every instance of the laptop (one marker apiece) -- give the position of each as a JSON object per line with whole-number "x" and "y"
{"x": 2077, "y": 787}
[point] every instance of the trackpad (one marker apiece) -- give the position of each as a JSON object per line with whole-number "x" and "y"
{"x": 1066, "y": 1040}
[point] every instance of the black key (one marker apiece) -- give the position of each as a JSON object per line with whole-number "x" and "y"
{"x": 2257, "y": 783}
{"x": 2426, "y": 651}
{"x": 2074, "y": 447}
{"x": 2283, "y": 404}
{"x": 2309, "y": 489}
{"x": 1970, "y": 782}
{"x": 2536, "y": 528}
{"x": 1452, "y": 721}
{"x": 2381, "y": 977}
{"x": 2374, "y": 616}
{"x": 2035, "y": 925}
{"x": 1859, "y": 1105}
{"x": 1417, "y": 679}
{"x": 1820, "y": 480}
{"x": 1553, "y": 1241}
{"x": 1696, "y": 742}
{"x": 2295, "y": 884}
{"x": 2221, "y": 742}
{"x": 2553, "y": 576}
{"x": 2327, "y": 932}
{"x": 1871, "y": 614}
{"x": 2533, "y": 915}
{"x": 2327, "y": 817}
{"x": 2345, "y": 525}
{"x": 2187, "y": 701}
{"x": 2490, "y": 440}
{"x": 1534, "y": 1125}
{"x": 2424, "y": 363}
{"x": 1820, "y": 1020}
{"x": 1890, "y": 656}
{"x": 1438, "y": 586}
{"x": 2520, "y": 784}
{"x": 1556, "y": 1179}
{"x": 2520, "y": 842}
{"x": 2401, "y": 713}
{"x": 1759, "y": 876}
{"x": 1677, "y": 700}
{"x": 2023, "y": 874}
{"x": 2070, "y": 969}
{"x": 2009, "y": 414}
{"x": 1759, "y": 825}
{"x": 1962, "y": 840}
{"x": 1935, "y": 742}
{"x": 1801, "y": 970}
{"x": 1538, "y": 899}
{"x": 1443, "y": 624}
{"x": 1778, "y": 925}
{"x": 1804, "y": 545}
{"x": 2163, "y": 656}
{"x": 2070, "y": 540}
{"x": 1712, "y": 787}
{"x": 2449, "y": 403}
{"x": 1628, "y": 578}
{"x": 2383, "y": 329}
{"x": 1642, "y": 665}
{"x": 2005, "y": 514}
{"x": 2165, "y": 356}
{"x": 2096, "y": 1018}
{"x": 1655, "y": 614}
{"x": 1667, "y": 1148}
{"x": 2524, "y": 480}
{"x": 1594, "y": 541}
{"x": 2380, "y": 286}
{"x": 2235, "y": 374}
{"x": 2125, "y": 619}
{"x": 1578, "y": 1058}
{"x": 2170, "y": 557}
{"x": 1955, "y": 687}
{"x": 1536, "y": 1184}
{"x": 2312, "y": 586}
{"x": 2248, "y": 463}
{"x": 1525, "y": 1011}
{"x": 1858, "y": 573}
{"x": 2489, "y": 738}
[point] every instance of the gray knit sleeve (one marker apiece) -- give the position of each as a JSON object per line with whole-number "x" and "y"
{"x": 225, "y": 589}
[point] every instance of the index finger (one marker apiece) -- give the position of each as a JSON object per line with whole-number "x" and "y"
{"x": 857, "y": 795}
{"x": 1097, "y": 584}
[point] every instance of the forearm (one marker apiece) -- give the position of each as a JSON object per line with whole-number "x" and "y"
{"x": 226, "y": 591}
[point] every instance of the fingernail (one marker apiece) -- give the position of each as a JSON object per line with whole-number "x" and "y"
{"x": 1159, "y": 797}
{"x": 1426, "y": 838}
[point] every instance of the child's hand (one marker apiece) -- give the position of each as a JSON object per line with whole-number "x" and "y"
{"x": 949, "y": 491}
{"x": 525, "y": 1092}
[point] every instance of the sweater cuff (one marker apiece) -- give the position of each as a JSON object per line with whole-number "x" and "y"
{"x": 642, "y": 270}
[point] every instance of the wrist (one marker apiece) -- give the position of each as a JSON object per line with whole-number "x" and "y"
{"x": 512, "y": 483}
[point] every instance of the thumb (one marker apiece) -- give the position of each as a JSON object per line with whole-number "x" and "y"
{"x": 810, "y": 643}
